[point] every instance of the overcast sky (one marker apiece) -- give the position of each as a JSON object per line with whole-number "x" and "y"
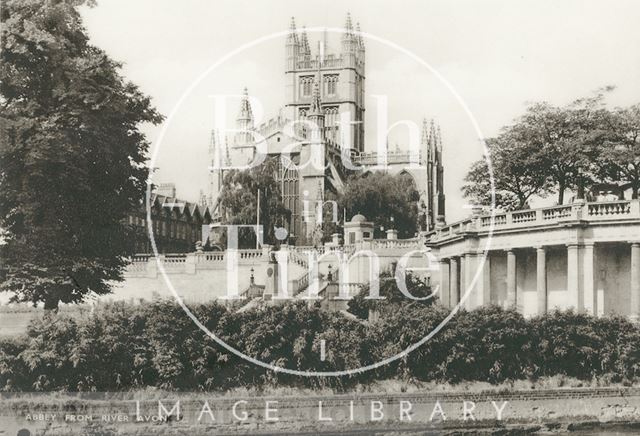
{"x": 497, "y": 55}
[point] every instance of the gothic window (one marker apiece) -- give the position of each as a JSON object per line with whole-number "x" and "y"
{"x": 301, "y": 128}
{"x": 331, "y": 117}
{"x": 331, "y": 84}
{"x": 288, "y": 178}
{"x": 306, "y": 85}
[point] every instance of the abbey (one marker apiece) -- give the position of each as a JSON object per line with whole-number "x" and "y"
{"x": 582, "y": 256}
{"x": 323, "y": 120}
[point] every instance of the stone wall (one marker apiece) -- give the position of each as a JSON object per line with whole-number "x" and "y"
{"x": 129, "y": 413}
{"x": 201, "y": 277}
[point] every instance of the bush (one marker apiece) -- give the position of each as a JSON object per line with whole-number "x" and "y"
{"x": 155, "y": 344}
{"x": 582, "y": 346}
{"x": 488, "y": 344}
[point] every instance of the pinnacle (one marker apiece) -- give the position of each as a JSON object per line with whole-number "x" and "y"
{"x": 348, "y": 25}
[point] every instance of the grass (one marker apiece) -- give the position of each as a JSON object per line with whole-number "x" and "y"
{"x": 378, "y": 387}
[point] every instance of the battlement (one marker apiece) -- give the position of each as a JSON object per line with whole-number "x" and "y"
{"x": 272, "y": 125}
{"x": 331, "y": 61}
{"x": 392, "y": 157}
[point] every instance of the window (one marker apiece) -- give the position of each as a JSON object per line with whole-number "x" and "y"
{"x": 306, "y": 85}
{"x": 331, "y": 84}
{"x": 331, "y": 117}
{"x": 288, "y": 178}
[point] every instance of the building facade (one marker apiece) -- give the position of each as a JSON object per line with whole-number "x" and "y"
{"x": 322, "y": 120}
{"x": 177, "y": 224}
{"x": 583, "y": 256}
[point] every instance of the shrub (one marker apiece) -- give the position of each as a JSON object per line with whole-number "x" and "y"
{"x": 488, "y": 344}
{"x": 112, "y": 351}
{"x": 582, "y": 346}
{"x": 155, "y": 344}
{"x": 13, "y": 370}
{"x": 50, "y": 354}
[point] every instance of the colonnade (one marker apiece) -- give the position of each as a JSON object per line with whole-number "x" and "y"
{"x": 472, "y": 271}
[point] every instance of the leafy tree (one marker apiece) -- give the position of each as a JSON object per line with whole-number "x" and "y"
{"x": 548, "y": 149}
{"x": 621, "y": 149}
{"x": 72, "y": 152}
{"x": 569, "y": 139}
{"x": 381, "y": 198}
{"x": 518, "y": 174}
{"x": 239, "y": 201}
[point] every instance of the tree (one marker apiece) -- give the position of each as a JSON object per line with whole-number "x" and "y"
{"x": 239, "y": 202}
{"x": 518, "y": 174}
{"x": 382, "y": 198}
{"x": 72, "y": 156}
{"x": 569, "y": 139}
{"x": 621, "y": 149}
{"x": 548, "y": 149}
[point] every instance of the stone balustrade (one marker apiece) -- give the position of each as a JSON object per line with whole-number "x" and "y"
{"x": 184, "y": 262}
{"x": 581, "y": 256}
{"x": 403, "y": 244}
{"x": 392, "y": 157}
{"x": 586, "y": 212}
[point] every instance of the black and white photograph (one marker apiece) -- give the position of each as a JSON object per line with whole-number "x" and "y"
{"x": 356, "y": 217}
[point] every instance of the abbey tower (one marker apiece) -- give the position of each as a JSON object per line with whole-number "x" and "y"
{"x": 341, "y": 81}
{"x": 323, "y": 118}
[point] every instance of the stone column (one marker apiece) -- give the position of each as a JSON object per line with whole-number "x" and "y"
{"x": 444, "y": 290}
{"x": 454, "y": 284}
{"x": 634, "y": 299}
{"x": 462, "y": 289}
{"x": 470, "y": 270}
{"x": 541, "y": 279}
{"x": 511, "y": 279}
{"x": 485, "y": 294}
{"x": 573, "y": 278}
{"x": 588, "y": 280}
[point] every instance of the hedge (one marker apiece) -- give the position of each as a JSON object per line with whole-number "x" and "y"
{"x": 124, "y": 347}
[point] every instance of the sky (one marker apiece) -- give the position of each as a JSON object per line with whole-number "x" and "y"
{"x": 486, "y": 61}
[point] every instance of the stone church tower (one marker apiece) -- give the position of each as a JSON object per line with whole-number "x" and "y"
{"x": 321, "y": 87}
{"x": 341, "y": 75}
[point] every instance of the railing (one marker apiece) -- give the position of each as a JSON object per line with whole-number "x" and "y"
{"x": 599, "y": 211}
{"x": 392, "y": 157}
{"x": 215, "y": 256}
{"x": 141, "y": 258}
{"x": 139, "y": 263}
{"x": 173, "y": 262}
{"x": 312, "y": 64}
{"x": 556, "y": 212}
{"x": 395, "y": 243}
{"x": 609, "y": 209}
{"x": 524, "y": 216}
{"x": 322, "y": 249}
{"x": 300, "y": 284}
{"x": 250, "y": 254}
{"x": 299, "y": 258}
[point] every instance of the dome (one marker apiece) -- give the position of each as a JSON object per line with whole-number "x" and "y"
{"x": 359, "y": 218}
